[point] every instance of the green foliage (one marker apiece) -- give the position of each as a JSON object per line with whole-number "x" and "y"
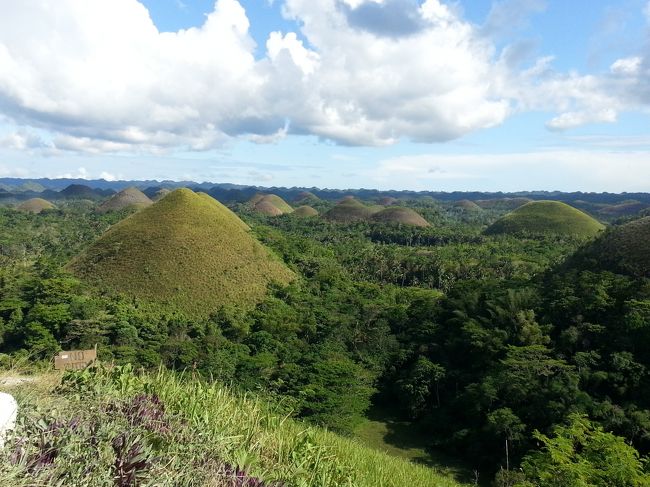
{"x": 581, "y": 454}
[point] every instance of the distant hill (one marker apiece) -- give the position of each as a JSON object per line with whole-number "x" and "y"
{"x": 622, "y": 249}
{"x": 270, "y": 204}
{"x": 186, "y": 252}
{"x": 467, "y": 205}
{"x": 305, "y": 211}
{"x": 626, "y": 208}
{"x": 399, "y": 215}
{"x": 127, "y": 198}
{"x": 348, "y": 210}
{"x": 80, "y": 191}
{"x": 306, "y": 198}
{"x": 546, "y": 217}
{"x": 35, "y": 205}
{"x": 503, "y": 203}
{"x": 388, "y": 201}
{"x": 161, "y": 193}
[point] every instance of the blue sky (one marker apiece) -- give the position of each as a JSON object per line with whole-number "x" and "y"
{"x": 390, "y": 94}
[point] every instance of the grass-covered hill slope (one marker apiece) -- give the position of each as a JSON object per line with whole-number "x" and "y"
{"x": 306, "y": 198}
{"x": 270, "y": 204}
{"x": 115, "y": 427}
{"x": 467, "y": 205}
{"x": 546, "y": 217}
{"x": 185, "y": 252}
{"x": 305, "y": 211}
{"x": 35, "y": 205}
{"x": 400, "y": 216}
{"x": 348, "y": 210}
{"x": 127, "y": 198}
{"x": 623, "y": 249}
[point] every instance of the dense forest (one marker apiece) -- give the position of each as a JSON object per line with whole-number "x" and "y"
{"x": 523, "y": 355}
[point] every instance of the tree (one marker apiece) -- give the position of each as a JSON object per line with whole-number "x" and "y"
{"x": 582, "y": 454}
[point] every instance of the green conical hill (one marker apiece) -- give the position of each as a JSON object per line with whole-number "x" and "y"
{"x": 348, "y": 210}
{"x": 186, "y": 252}
{"x": 127, "y": 198}
{"x": 224, "y": 210}
{"x": 305, "y": 212}
{"x": 546, "y": 217}
{"x": 265, "y": 203}
{"x": 400, "y": 216}
{"x": 35, "y": 205}
{"x": 467, "y": 205}
{"x": 306, "y": 197}
{"x": 623, "y": 249}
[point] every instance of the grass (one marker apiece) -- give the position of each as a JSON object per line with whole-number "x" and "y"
{"x": 403, "y": 439}
{"x": 35, "y": 205}
{"x": 116, "y": 427}
{"x": 399, "y": 215}
{"x": 547, "y": 218}
{"x": 270, "y": 204}
{"x": 305, "y": 211}
{"x": 127, "y": 198}
{"x": 186, "y": 252}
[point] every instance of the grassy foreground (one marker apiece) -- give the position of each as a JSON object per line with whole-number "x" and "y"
{"x": 117, "y": 427}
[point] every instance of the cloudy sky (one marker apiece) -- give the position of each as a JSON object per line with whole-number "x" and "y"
{"x": 400, "y": 94}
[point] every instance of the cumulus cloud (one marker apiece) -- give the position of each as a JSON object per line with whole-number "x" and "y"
{"x": 99, "y": 77}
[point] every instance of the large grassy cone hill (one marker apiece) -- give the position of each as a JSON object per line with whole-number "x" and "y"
{"x": 348, "y": 210}
{"x": 127, "y": 198}
{"x": 623, "y": 249}
{"x": 186, "y": 252}
{"x": 400, "y": 216}
{"x": 35, "y": 205}
{"x": 548, "y": 218}
{"x": 305, "y": 211}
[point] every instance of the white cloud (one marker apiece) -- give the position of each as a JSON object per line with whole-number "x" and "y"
{"x": 22, "y": 140}
{"x": 646, "y": 11}
{"x": 626, "y": 66}
{"x": 100, "y": 78}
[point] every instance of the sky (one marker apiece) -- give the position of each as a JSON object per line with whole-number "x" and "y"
{"x": 435, "y": 95}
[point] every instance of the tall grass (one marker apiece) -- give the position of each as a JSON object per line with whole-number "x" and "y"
{"x": 117, "y": 427}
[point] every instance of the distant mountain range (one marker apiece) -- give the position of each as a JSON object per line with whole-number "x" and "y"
{"x": 21, "y": 189}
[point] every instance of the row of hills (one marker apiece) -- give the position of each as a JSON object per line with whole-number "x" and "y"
{"x": 606, "y": 206}
{"x": 186, "y": 250}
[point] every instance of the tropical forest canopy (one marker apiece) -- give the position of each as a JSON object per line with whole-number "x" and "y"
{"x": 505, "y": 332}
